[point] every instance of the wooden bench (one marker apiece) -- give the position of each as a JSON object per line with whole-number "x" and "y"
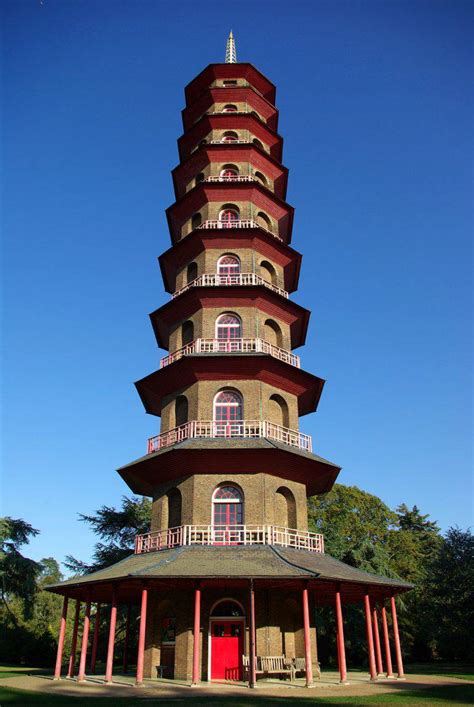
{"x": 268, "y": 665}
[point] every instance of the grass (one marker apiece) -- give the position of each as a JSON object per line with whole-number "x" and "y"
{"x": 459, "y": 695}
{"x": 463, "y": 671}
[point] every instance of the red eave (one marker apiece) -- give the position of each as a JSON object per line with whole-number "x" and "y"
{"x": 207, "y": 154}
{"x": 230, "y": 94}
{"x": 264, "y": 243}
{"x": 179, "y": 309}
{"x": 207, "y": 192}
{"x": 213, "y": 72}
{"x": 191, "y": 369}
{"x": 144, "y": 475}
{"x": 230, "y": 121}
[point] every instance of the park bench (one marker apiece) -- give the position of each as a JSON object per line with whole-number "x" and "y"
{"x": 269, "y": 665}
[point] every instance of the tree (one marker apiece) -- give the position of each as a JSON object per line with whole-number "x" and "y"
{"x": 18, "y": 574}
{"x": 118, "y": 528}
{"x": 356, "y": 527}
{"x": 449, "y": 596}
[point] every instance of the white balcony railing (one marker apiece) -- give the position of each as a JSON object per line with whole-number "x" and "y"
{"x": 233, "y": 178}
{"x": 229, "y": 142}
{"x": 237, "y": 429}
{"x": 238, "y": 223}
{"x": 223, "y": 346}
{"x": 242, "y": 278}
{"x": 228, "y": 535}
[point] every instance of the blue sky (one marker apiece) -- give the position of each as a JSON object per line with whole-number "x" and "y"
{"x": 376, "y": 109}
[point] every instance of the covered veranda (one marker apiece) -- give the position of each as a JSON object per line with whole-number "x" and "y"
{"x": 310, "y": 579}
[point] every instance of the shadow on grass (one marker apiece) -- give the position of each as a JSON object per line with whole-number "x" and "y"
{"x": 461, "y": 695}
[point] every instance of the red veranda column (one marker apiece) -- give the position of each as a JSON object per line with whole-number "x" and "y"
{"x": 370, "y": 638}
{"x": 95, "y": 639}
{"x": 111, "y": 644}
{"x": 378, "y": 650}
{"x": 386, "y": 640}
{"x": 307, "y": 638}
{"x": 341, "y": 650}
{"x": 72, "y": 657}
{"x": 85, "y": 640}
{"x": 127, "y": 638}
{"x": 396, "y": 637}
{"x": 197, "y": 636}
{"x": 141, "y": 637}
{"x": 252, "y": 639}
{"x": 62, "y": 634}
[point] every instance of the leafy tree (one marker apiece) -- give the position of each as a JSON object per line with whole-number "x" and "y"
{"x": 356, "y": 527}
{"x": 18, "y": 574}
{"x": 449, "y": 596}
{"x": 118, "y": 529}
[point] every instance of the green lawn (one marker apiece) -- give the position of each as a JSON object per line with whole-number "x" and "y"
{"x": 459, "y": 695}
{"x": 464, "y": 671}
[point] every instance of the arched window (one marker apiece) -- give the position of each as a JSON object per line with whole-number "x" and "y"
{"x": 227, "y": 607}
{"x": 273, "y": 333}
{"x": 196, "y": 220}
{"x": 228, "y": 171}
{"x": 227, "y": 511}
{"x": 267, "y": 271}
{"x": 229, "y": 216}
{"x": 174, "y": 508}
{"x": 228, "y": 327}
{"x": 191, "y": 272}
{"x": 200, "y": 177}
{"x": 257, "y": 143}
{"x": 187, "y": 333}
{"x": 278, "y": 411}
{"x": 285, "y": 508}
{"x": 263, "y": 220}
{"x": 261, "y": 178}
{"x": 181, "y": 410}
{"x": 228, "y": 408}
{"x": 228, "y": 268}
{"x": 230, "y": 136}
{"x": 230, "y": 108}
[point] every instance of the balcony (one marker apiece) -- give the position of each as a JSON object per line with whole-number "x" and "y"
{"x": 186, "y": 535}
{"x": 238, "y": 223}
{"x": 223, "y": 346}
{"x": 237, "y": 429}
{"x": 242, "y": 279}
{"x": 233, "y": 178}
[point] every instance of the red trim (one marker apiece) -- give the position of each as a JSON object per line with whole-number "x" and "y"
{"x": 307, "y": 638}
{"x": 111, "y": 644}
{"x": 341, "y": 650}
{"x": 214, "y": 72}
{"x": 386, "y": 640}
{"x": 85, "y": 638}
{"x": 197, "y": 636}
{"x": 370, "y": 637}
{"x": 72, "y": 656}
{"x": 396, "y": 636}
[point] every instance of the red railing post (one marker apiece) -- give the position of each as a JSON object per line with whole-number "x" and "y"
{"x": 341, "y": 649}
{"x": 307, "y": 638}
{"x": 111, "y": 644}
{"x": 141, "y": 637}
{"x": 85, "y": 640}
{"x": 386, "y": 639}
{"x": 62, "y": 634}
{"x": 197, "y": 636}
{"x": 72, "y": 657}
{"x": 396, "y": 636}
{"x": 370, "y": 638}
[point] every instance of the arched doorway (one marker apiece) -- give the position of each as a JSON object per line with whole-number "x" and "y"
{"x": 226, "y": 631}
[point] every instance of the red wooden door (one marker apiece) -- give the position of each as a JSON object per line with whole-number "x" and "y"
{"x": 227, "y": 647}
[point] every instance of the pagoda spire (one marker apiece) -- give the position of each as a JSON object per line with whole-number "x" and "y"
{"x": 230, "y": 50}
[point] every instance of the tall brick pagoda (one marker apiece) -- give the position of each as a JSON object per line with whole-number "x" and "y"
{"x": 228, "y": 576}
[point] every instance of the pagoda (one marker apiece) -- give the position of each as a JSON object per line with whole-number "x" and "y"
{"x": 228, "y": 577}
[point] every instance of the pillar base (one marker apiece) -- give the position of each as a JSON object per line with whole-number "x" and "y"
{"x": 108, "y": 682}
{"x": 401, "y": 678}
{"x": 56, "y": 679}
{"x": 138, "y": 684}
{"x": 310, "y": 684}
{"x": 344, "y": 682}
{"x": 373, "y": 679}
{"x": 390, "y": 677}
{"x": 195, "y": 684}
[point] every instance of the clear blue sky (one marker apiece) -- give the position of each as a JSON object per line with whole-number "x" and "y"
{"x": 376, "y": 109}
